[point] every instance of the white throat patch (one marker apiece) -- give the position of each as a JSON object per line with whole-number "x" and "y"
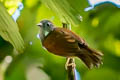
{"x": 46, "y": 33}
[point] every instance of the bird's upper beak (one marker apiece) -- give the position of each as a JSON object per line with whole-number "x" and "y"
{"x": 39, "y": 24}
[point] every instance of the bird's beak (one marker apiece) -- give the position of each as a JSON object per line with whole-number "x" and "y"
{"x": 39, "y": 24}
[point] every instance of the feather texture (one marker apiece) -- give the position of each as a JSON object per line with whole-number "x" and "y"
{"x": 64, "y": 42}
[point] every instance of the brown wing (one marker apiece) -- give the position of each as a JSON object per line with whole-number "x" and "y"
{"x": 63, "y": 42}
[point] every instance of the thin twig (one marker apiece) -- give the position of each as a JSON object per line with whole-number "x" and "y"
{"x": 70, "y": 61}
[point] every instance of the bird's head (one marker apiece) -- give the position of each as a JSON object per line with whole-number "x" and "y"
{"x": 46, "y": 26}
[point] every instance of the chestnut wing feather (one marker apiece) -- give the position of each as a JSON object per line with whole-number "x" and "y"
{"x": 63, "y": 42}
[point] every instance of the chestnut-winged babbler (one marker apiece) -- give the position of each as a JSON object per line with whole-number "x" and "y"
{"x": 63, "y": 42}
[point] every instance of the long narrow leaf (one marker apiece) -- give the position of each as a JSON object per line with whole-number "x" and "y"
{"x": 68, "y": 10}
{"x": 9, "y": 30}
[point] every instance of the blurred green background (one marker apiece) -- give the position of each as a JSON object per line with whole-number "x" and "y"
{"x": 22, "y": 56}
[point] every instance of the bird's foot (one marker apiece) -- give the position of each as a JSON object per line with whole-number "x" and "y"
{"x": 70, "y": 63}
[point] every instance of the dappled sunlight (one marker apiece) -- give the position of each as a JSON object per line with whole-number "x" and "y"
{"x": 12, "y": 5}
{"x": 95, "y": 22}
{"x": 117, "y": 47}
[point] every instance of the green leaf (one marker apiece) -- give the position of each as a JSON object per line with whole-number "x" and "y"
{"x": 68, "y": 10}
{"x": 11, "y": 5}
{"x": 9, "y": 30}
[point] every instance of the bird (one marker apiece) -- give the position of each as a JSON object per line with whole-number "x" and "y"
{"x": 64, "y": 42}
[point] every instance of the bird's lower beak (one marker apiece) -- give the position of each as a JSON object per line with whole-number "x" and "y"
{"x": 39, "y": 24}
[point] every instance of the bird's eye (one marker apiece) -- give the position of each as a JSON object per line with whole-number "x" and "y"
{"x": 48, "y": 24}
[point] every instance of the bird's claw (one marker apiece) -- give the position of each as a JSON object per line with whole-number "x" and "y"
{"x": 70, "y": 64}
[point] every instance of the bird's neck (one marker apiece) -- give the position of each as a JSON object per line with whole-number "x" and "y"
{"x": 44, "y": 34}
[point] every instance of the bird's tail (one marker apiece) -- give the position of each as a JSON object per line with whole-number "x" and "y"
{"x": 91, "y": 57}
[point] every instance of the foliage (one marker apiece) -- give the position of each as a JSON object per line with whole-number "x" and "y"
{"x": 9, "y": 30}
{"x": 100, "y": 28}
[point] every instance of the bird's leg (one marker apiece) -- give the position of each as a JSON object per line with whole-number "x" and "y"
{"x": 70, "y": 63}
{"x": 64, "y": 25}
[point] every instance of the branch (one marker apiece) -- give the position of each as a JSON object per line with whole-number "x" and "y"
{"x": 71, "y": 69}
{"x": 70, "y": 64}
